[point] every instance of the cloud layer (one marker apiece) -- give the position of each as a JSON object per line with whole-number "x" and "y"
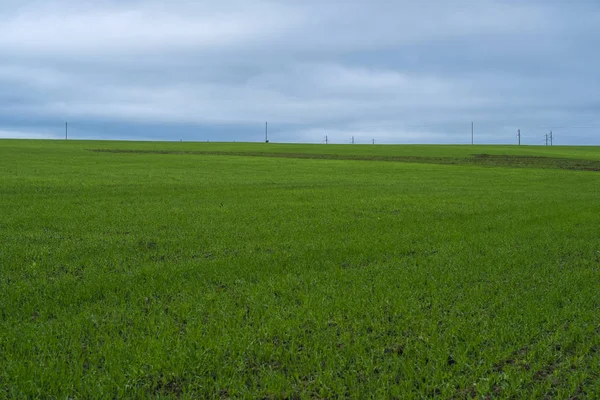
{"x": 395, "y": 71}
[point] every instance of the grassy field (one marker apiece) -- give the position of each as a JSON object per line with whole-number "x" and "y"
{"x": 215, "y": 270}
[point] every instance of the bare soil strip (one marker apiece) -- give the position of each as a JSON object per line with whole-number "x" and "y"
{"x": 475, "y": 159}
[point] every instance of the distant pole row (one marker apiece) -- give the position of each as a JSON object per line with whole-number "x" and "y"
{"x": 549, "y": 136}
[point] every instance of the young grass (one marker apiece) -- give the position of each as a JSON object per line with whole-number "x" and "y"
{"x": 194, "y": 275}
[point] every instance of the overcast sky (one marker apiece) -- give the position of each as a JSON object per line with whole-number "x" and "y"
{"x": 394, "y": 71}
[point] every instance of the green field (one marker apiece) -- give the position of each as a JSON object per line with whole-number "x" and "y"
{"x": 229, "y": 270}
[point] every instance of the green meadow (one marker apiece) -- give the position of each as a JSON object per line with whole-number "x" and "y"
{"x": 282, "y": 271}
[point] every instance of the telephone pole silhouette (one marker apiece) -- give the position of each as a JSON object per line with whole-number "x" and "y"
{"x": 266, "y": 132}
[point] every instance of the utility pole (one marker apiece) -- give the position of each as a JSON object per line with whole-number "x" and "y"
{"x": 519, "y": 136}
{"x": 472, "y": 132}
{"x": 266, "y": 132}
{"x": 550, "y": 138}
{"x": 66, "y": 130}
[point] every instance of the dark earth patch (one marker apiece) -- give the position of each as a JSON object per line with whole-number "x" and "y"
{"x": 475, "y": 159}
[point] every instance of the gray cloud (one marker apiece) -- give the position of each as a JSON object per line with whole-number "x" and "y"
{"x": 397, "y": 71}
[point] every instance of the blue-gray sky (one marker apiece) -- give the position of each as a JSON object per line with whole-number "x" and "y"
{"x": 397, "y": 71}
